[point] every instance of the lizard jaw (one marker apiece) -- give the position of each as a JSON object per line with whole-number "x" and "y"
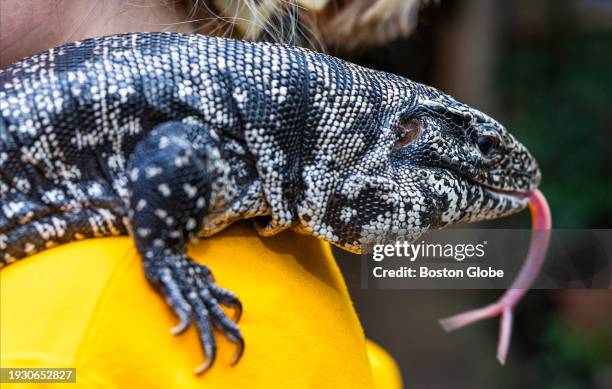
{"x": 522, "y": 197}
{"x": 494, "y": 202}
{"x": 514, "y": 196}
{"x": 517, "y": 201}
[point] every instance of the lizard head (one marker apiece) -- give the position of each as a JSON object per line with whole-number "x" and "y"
{"x": 435, "y": 162}
{"x": 471, "y": 167}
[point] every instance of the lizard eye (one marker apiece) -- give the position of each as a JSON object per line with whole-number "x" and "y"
{"x": 408, "y": 132}
{"x": 487, "y": 144}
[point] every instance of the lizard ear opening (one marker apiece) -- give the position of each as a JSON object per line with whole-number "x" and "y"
{"x": 408, "y": 131}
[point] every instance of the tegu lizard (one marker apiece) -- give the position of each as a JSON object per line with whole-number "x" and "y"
{"x": 171, "y": 138}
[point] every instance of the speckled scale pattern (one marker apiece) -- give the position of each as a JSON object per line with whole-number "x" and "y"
{"x": 172, "y": 137}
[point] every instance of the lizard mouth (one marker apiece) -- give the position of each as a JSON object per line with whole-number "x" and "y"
{"x": 519, "y": 200}
{"x": 511, "y": 193}
{"x": 515, "y": 198}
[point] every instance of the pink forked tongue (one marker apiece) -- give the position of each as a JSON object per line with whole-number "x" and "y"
{"x": 540, "y": 220}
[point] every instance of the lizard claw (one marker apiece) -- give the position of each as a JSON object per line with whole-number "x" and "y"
{"x": 194, "y": 297}
{"x": 239, "y": 352}
{"x": 225, "y": 296}
{"x": 180, "y": 327}
{"x": 209, "y": 361}
{"x": 204, "y": 366}
{"x": 175, "y": 300}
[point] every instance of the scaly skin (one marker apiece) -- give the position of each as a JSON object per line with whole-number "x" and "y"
{"x": 173, "y": 137}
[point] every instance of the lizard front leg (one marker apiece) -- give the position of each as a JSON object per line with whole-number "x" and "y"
{"x": 170, "y": 184}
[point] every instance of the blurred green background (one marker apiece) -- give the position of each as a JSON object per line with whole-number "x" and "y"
{"x": 543, "y": 69}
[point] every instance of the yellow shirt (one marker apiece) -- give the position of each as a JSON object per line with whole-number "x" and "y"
{"x": 87, "y": 305}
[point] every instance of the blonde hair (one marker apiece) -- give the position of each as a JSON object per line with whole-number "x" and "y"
{"x": 343, "y": 24}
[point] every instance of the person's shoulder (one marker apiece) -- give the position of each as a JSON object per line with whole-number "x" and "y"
{"x": 87, "y": 305}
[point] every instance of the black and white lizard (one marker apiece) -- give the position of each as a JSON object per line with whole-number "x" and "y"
{"x": 172, "y": 137}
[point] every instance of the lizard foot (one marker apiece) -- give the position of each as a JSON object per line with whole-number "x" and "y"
{"x": 170, "y": 184}
{"x": 193, "y": 295}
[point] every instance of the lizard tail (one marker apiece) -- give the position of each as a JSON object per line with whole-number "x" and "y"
{"x": 22, "y": 240}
